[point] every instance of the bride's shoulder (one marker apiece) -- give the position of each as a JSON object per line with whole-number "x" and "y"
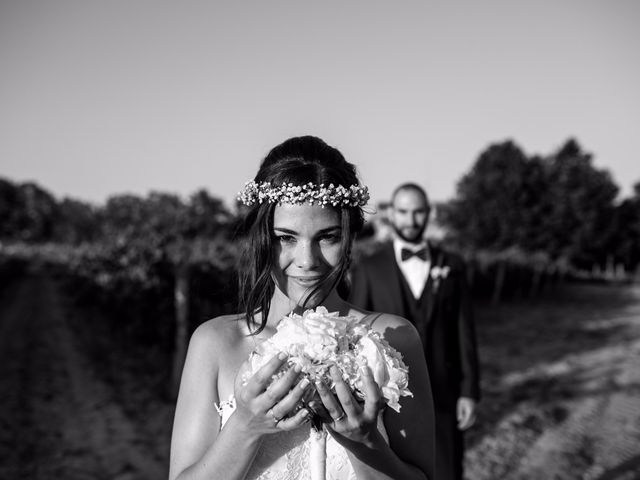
{"x": 395, "y": 329}
{"x": 218, "y": 334}
{"x": 381, "y": 321}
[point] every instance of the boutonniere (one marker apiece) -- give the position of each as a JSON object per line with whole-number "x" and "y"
{"x": 438, "y": 274}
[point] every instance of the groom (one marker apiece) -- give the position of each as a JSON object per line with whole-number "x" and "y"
{"x": 416, "y": 280}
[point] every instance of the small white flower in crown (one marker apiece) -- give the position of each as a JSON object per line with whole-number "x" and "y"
{"x": 336, "y": 196}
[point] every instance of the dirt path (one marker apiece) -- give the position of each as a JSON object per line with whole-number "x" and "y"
{"x": 58, "y": 419}
{"x": 574, "y": 411}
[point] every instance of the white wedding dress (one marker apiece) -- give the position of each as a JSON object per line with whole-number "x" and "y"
{"x": 285, "y": 455}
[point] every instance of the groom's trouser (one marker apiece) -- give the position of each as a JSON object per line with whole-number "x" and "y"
{"x": 449, "y": 446}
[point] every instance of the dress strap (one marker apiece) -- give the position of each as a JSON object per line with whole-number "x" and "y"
{"x": 371, "y": 317}
{"x": 226, "y": 405}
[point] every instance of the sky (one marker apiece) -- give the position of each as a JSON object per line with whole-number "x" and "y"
{"x": 107, "y": 97}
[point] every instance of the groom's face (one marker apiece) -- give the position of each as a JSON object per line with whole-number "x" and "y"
{"x": 409, "y": 215}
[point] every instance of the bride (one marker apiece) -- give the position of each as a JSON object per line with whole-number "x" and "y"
{"x": 297, "y": 239}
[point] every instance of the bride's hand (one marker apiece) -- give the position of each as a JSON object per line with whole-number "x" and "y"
{"x": 266, "y": 406}
{"x": 350, "y": 418}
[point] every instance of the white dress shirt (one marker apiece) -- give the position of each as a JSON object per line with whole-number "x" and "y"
{"x": 414, "y": 269}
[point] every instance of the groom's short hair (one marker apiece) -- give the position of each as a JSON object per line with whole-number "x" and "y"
{"x": 410, "y": 186}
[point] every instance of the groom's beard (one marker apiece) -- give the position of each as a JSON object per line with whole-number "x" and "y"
{"x": 410, "y": 234}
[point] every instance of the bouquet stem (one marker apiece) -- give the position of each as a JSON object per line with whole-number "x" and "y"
{"x": 318, "y": 452}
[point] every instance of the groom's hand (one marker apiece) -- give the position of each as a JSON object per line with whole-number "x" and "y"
{"x": 466, "y": 412}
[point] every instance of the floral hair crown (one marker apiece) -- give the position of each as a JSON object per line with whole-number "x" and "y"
{"x": 335, "y": 196}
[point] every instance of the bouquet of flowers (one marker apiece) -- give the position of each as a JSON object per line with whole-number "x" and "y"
{"x": 316, "y": 340}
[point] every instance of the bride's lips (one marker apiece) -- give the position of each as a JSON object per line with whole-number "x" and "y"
{"x": 306, "y": 281}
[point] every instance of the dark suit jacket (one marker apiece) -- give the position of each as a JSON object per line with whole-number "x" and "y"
{"x": 446, "y": 327}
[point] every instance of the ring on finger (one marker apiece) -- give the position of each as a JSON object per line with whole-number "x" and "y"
{"x": 340, "y": 417}
{"x": 276, "y": 419}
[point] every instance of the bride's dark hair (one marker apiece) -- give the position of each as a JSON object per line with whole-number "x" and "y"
{"x": 298, "y": 160}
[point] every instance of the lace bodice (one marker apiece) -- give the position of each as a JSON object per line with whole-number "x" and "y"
{"x": 285, "y": 456}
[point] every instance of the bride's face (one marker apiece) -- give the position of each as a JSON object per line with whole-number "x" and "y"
{"x": 307, "y": 245}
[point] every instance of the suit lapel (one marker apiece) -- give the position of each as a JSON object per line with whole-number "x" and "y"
{"x": 429, "y": 295}
{"x": 395, "y": 277}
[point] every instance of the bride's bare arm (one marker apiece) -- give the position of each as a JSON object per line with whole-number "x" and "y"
{"x": 199, "y": 449}
{"x": 196, "y": 426}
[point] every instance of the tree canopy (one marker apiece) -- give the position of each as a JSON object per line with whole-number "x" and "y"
{"x": 560, "y": 205}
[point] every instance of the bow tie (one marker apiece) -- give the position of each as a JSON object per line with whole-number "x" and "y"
{"x": 406, "y": 254}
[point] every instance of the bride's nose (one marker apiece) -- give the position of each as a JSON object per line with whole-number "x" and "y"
{"x": 307, "y": 255}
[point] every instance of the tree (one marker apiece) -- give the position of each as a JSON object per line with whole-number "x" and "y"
{"x": 534, "y": 210}
{"x": 625, "y": 241}
{"x": 186, "y": 233}
{"x": 579, "y": 207}
{"x": 497, "y": 208}
{"x": 10, "y": 210}
{"x": 124, "y": 216}
{"x": 77, "y": 222}
{"x": 27, "y": 212}
{"x": 492, "y": 200}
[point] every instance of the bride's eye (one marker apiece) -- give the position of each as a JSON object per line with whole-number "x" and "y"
{"x": 331, "y": 238}
{"x": 285, "y": 239}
